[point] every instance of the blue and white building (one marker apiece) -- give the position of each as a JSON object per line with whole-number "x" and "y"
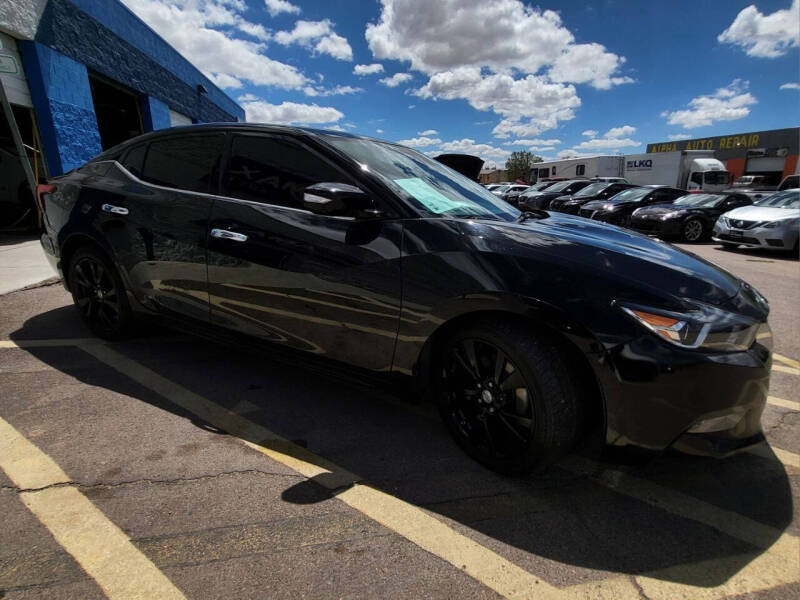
{"x": 80, "y": 76}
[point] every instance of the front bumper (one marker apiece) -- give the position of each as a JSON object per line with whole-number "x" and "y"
{"x": 775, "y": 238}
{"x": 656, "y": 226}
{"x": 660, "y": 396}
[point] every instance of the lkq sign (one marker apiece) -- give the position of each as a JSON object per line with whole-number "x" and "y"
{"x": 639, "y": 164}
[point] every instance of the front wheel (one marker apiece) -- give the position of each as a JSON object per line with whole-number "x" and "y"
{"x": 693, "y": 230}
{"x": 99, "y": 294}
{"x": 507, "y": 397}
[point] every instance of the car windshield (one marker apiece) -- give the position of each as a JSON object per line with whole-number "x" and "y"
{"x": 784, "y": 199}
{"x": 716, "y": 177}
{"x": 590, "y": 190}
{"x": 561, "y": 185}
{"x": 427, "y": 184}
{"x": 631, "y": 195}
{"x": 699, "y": 200}
{"x": 501, "y": 188}
{"x": 539, "y": 186}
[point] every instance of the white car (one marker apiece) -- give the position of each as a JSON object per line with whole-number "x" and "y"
{"x": 771, "y": 223}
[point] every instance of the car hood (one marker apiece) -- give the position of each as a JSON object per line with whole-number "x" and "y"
{"x": 599, "y": 204}
{"x": 597, "y": 249}
{"x": 762, "y": 213}
{"x": 662, "y": 209}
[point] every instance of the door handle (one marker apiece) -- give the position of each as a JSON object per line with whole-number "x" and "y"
{"x": 224, "y": 234}
{"x": 117, "y": 210}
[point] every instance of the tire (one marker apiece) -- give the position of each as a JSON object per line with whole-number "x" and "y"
{"x": 519, "y": 421}
{"x": 692, "y": 230}
{"x": 99, "y": 294}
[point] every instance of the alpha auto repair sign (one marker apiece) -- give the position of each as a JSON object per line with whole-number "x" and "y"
{"x": 729, "y": 144}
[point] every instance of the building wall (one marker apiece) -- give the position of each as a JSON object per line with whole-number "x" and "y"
{"x": 61, "y": 42}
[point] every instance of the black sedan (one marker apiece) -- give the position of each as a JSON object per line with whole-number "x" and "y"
{"x": 690, "y": 217}
{"x": 528, "y": 330}
{"x": 513, "y": 193}
{"x": 541, "y": 200}
{"x": 599, "y": 190}
{"x": 617, "y": 210}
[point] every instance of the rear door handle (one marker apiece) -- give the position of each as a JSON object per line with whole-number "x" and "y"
{"x": 224, "y": 234}
{"x": 117, "y": 210}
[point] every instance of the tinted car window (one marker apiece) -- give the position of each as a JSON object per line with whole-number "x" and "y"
{"x": 134, "y": 160}
{"x": 274, "y": 170}
{"x": 186, "y": 162}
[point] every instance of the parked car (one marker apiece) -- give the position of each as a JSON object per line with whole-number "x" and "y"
{"x": 597, "y": 190}
{"x": 492, "y": 186}
{"x": 513, "y": 193}
{"x": 536, "y": 188}
{"x": 542, "y": 199}
{"x": 690, "y": 218}
{"x": 617, "y": 210}
{"x": 527, "y": 329}
{"x": 772, "y": 223}
{"x": 611, "y": 179}
{"x": 501, "y": 189}
{"x": 789, "y": 182}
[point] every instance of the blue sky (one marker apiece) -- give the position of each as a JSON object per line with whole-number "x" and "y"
{"x": 489, "y": 77}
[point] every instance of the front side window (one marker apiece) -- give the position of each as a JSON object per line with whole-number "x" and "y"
{"x": 580, "y": 169}
{"x": 275, "y": 170}
{"x": 134, "y": 160}
{"x": 697, "y": 178}
{"x": 185, "y": 162}
{"x": 425, "y": 183}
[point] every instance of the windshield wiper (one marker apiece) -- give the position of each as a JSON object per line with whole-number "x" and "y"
{"x": 532, "y": 213}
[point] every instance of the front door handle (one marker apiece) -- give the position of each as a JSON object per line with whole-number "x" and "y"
{"x": 117, "y": 210}
{"x": 224, "y": 234}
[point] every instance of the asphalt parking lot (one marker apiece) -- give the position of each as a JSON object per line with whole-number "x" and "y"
{"x": 173, "y": 467}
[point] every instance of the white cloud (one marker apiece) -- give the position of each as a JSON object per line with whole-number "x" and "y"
{"x": 607, "y": 144}
{"x": 573, "y": 154}
{"x": 616, "y": 132}
{"x": 372, "y": 69}
{"x": 317, "y": 36}
{"x": 412, "y": 106}
{"x": 675, "y": 137}
{"x": 379, "y": 131}
{"x": 276, "y": 7}
{"x": 505, "y": 45}
{"x": 726, "y": 104}
{"x": 339, "y": 90}
{"x": 790, "y": 86}
{"x": 590, "y": 133}
{"x": 396, "y": 79}
{"x": 533, "y": 97}
{"x": 468, "y": 146}
{"x": 428, "y": 132}
{"x": 532, "y": 142}
{"x": 255, "y": 30}
{"x": 225, "y": 81}
{"x": 188, "y": 26}
{"x": 420, "y": 142}
{"x": 764, "y": 36}
{"x": 259, "y": 111}
{"x": 248, "y": 98}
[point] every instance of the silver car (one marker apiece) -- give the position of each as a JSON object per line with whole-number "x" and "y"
{"x": 772, "y": 223}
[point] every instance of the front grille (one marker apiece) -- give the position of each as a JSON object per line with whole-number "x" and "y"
{"x": 571, "y": 209}
{"x": 642, "y": 225}
{"x": 740, "y": 239}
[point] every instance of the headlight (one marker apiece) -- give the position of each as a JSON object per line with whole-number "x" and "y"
{"x": 781, "y": 223}
{"x": 668, "y": 215}
{"x": 702, "y": 326}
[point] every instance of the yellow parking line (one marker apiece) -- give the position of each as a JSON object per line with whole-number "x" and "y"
{"x": 785, "y": 359}
{"x": 789, "y": 459}
{"x": 409, "y": 521}
{"x": 790, "y": 404}
{"x": 98, "y": 546}
{"x": 785, "y": 369}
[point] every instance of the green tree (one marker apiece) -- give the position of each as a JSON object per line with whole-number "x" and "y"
{"x": 518, "y": 165}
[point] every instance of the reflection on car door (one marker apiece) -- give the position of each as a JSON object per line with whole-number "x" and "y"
{"x": 155, "y": 215}
{"x": 325, "y": 284}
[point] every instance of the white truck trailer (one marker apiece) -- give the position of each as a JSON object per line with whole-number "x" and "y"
{"x": 572, "y": 168}
{"x": 684, "y": 169}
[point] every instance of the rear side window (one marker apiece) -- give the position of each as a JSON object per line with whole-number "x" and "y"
{"x": 186, "y": 162}
{"x": 274, "y": 170}
{"x": 134, "y": 160}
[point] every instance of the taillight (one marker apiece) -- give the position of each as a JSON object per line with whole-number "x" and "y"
{"x": 41, "y": 189}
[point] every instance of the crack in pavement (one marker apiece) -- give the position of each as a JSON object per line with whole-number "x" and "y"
{"x": 91, "y": 486}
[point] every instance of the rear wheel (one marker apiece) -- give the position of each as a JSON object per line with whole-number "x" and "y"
{"x": 693, "y": 230}
{"x": 99, "y": 294}
{"x": 507, "y": 397}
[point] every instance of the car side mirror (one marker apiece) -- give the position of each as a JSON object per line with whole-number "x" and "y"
{"x": 339, "y": 200}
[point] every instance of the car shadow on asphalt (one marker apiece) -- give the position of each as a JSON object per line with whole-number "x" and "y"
{"x": 748, "y": 253}
{"x": 602, "y": 517}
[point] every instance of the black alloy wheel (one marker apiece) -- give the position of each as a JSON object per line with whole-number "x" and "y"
{"x": 693, "y": 230}
{"x": 507, "y": 400}
{"x": 99, "y": 295}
